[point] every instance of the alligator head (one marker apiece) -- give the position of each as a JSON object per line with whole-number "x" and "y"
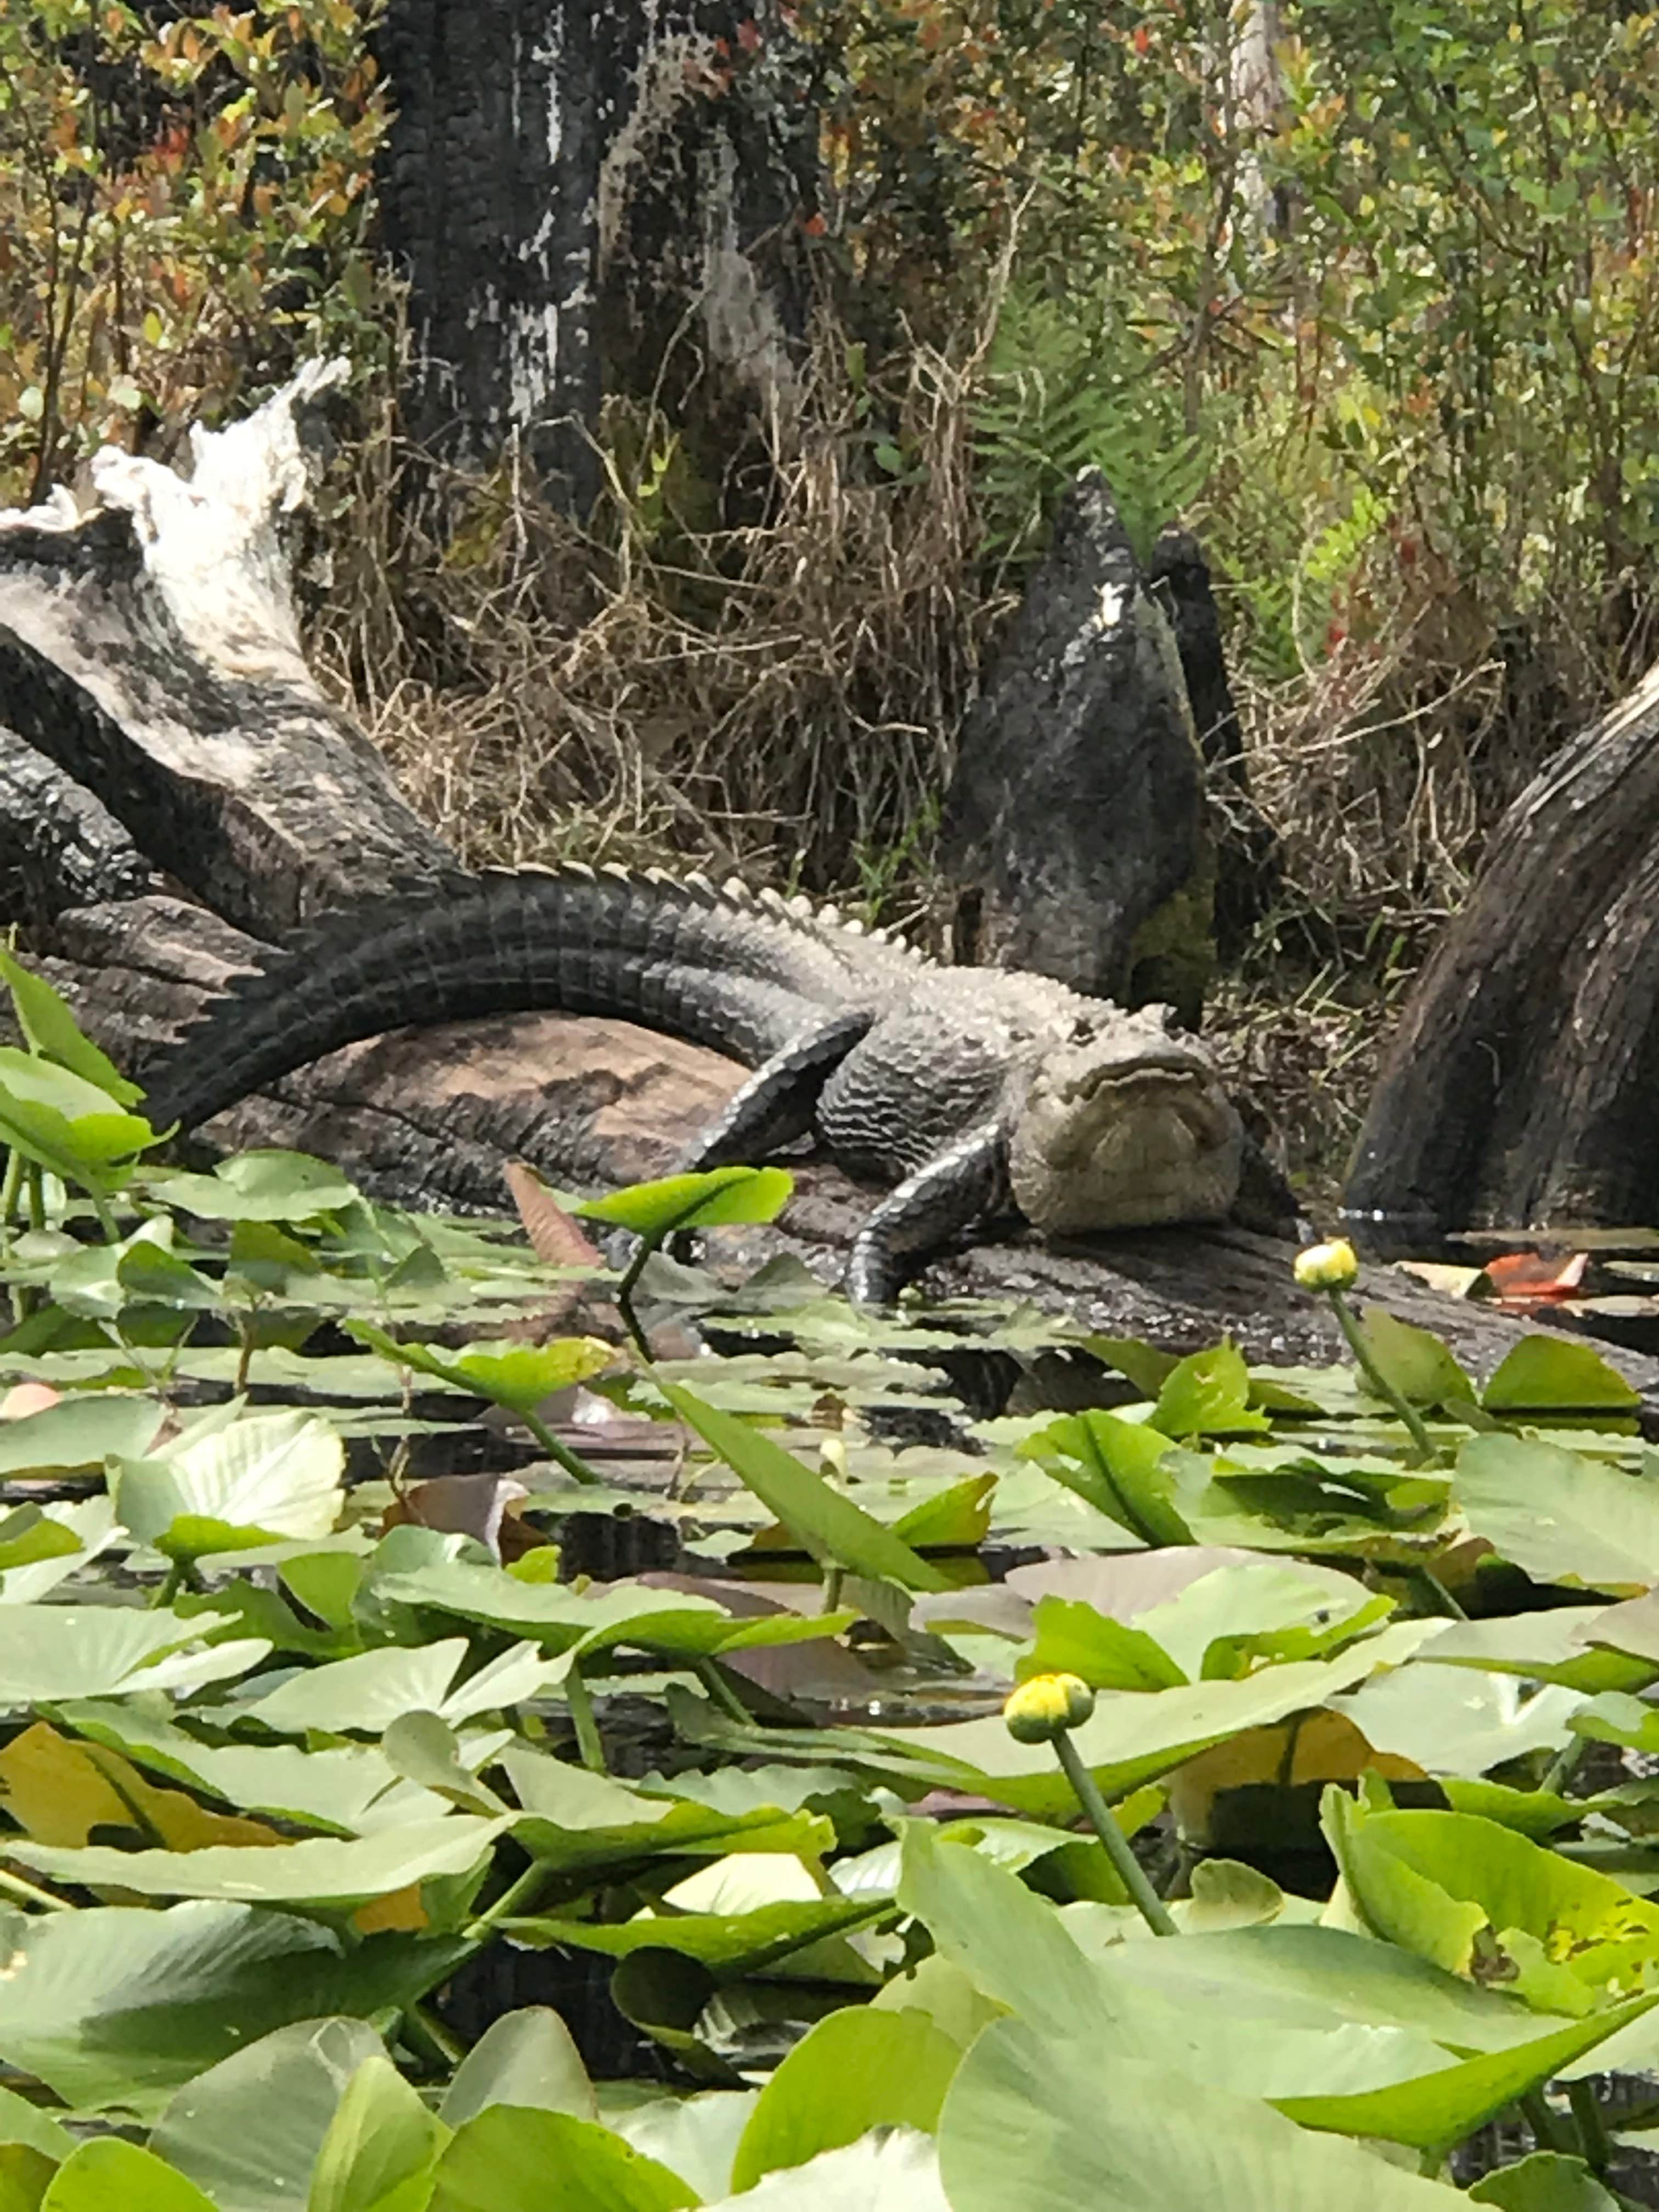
{"x": 1123, "y": 1126}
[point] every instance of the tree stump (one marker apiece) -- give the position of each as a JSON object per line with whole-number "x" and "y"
{"x": 150, "y": 648}
{"x": 1519, "y": 1083}
{"x": 1074, "y": 825}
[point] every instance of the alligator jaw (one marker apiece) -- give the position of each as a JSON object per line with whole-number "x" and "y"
{"x": 1107, "y": 1142}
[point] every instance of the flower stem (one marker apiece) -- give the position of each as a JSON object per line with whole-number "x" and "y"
{"x": 580, "y": 1698}
{"x": 1426, "y": 1454}
{"x": 27, "y": 1892}
{"x": 561, "y": 1454}
{"x": 1126, "y": 1867}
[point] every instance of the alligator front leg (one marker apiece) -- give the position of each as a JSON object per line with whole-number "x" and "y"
{"x": 777, "y": 1105}
{"x": 954, "y": 1190}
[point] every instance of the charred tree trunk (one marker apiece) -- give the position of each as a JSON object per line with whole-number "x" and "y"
{"x": 1519, "y": 1084}
{"x": 580, "y": 194}
{"x": 1075, "y": 825}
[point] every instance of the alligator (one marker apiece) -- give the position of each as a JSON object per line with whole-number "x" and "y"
{"x": 976, "y": 1091}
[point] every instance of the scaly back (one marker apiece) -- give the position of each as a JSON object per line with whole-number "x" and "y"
{"x": 740, "y": 971}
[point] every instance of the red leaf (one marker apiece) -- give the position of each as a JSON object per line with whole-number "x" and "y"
{"x": 1525, "y": 1276}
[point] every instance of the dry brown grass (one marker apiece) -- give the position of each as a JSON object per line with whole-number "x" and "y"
{"x": 778, "y": 693}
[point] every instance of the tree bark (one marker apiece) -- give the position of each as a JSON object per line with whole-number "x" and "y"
{"x": 150, "y": 650}
{"x": 1075, "y": 824}
{"x": 1519, "y": 1087}
{"x": 588, "y": 198}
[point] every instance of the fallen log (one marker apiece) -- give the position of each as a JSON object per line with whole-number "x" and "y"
{"x": 428, "y": 1117}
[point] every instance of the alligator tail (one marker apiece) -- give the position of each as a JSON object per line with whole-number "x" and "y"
{"x": 743, "y": 975}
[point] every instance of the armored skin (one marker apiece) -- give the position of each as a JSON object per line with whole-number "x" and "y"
{"x": 971, "y": 1089}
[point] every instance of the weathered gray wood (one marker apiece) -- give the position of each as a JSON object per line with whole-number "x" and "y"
{"x": 424, "y": 1117}
{"x": 588, "y": 198}
{"x": 150, "y": 648}
{"x": 1520, "y": 1084}
{"x": 1074, "y": 826}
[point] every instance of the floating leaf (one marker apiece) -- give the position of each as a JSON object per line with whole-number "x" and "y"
{"x": 717, "y": 1197}
{"x": 501, "y": 2161}
{"x": 1552, "y": 1374}
{"x": 853, "y": 2072}
{"x": 1560, "y": 1516}
{"x": 1414, "y": 1360}
{"x": 1208, "y": 1394}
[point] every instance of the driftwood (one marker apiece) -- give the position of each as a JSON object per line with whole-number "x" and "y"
{"x": 428, "y": 1117}
{"x": 150, "y": 648}
{"x": 1519, "y": 1087}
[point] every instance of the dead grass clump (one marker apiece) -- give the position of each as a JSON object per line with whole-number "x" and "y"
{"x": 778, "y": 691}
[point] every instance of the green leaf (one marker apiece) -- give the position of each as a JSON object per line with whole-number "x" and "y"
{"x": 720, "y": 1196}
{"x": 21, "y": 2122}
{"x": 834, "y": 1530}
{"x": 83, "y": 1431}
{"x": 110, "y": 2172}
{"x": 1552, "y": 1646}
{"x": 349, "y": 1787}
{"x": 250, "y": 2130}
{"x": 108, "y": 2006}
{"x": 43, "y": 1016}
{"x": 526, "y": 2058}
{"x": 958, "y": 1518}
{"x": 1414, "y": 1360}
{"x": 1560, "y": 1516}
{"x": 257, "y": 1186}
{"x": 1436, "y": 2109}
{"x": 518, "y": 1376}
{"x": 1550, "y": 1374}
{"x": 1146, "y": 1367}
{"x": 729, "y": 1944}
{"x": 854, "y": 2071}
{"x": 1208, "y": 1394}
{"x": 1321, "y": 1978}
{"x": 1436, "y": 1882}
{"x": 25, "y": 2177}
{"x": 1034, "y": 2121}
{"x": 318, "y": 1872}
{"x": 266, "y": 1476}
{"x": 1119, "y": 1467}
{"x": 513, "y": 2160}
{"x": 1072, "y": 1638}
{"x": 381, "y": 2146}
{"x": 70, "y": 1126}
{"x": 1546, "y": 2182}
{"x": 897, "y": 2171}
{"x": 576, "y": 1819}
{"x": 1010, "y": 1943}
{"x": 49, "y": 1651}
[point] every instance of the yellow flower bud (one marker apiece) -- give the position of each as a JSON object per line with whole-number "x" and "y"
{"x": 1048, "y": 1706}
{"x": 1330, "y": 1266}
